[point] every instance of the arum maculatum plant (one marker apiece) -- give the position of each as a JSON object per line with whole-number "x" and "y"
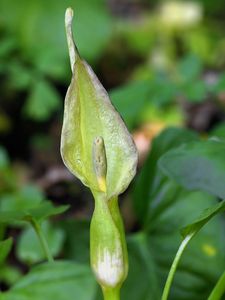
{"x": 98, "y": 149}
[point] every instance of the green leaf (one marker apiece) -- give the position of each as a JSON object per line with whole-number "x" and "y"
{"x": 142, "y": 281}
{"x": 9, "y": 274}
{"x": 39, "y": 213}
{"x": 163, "y": 92}
{"x": 8, "y": 44}
{"x": 5, "y": 247}
{"x": 149, "y": 176}
{"x": 46, "y": 49}
{"x": 4, "y": 159}
{"x": 62, "y": 280}
{"x": 195, "y": 91}
{"x": 130, "y": 99}
{"x": 196, "y": 274}
{"x": 220, "y": 85}
{"x": 218, "y": 131}
{"x": 20, "y": 76}
{"x": 76, "y": 248}
{"x": 205, "y": 217}
{"x": 190, "y": 68}
{"x": 29, "y": 249}
{"x": 42, "y": 101}
{"x": 197, "y": 165}
{"x": 89, "y": 116}
{"x": 163, "y": 208}
{"x": 188, "y": 232}
{"x": 47, "y": 210}
{"x": 26, "y": 197}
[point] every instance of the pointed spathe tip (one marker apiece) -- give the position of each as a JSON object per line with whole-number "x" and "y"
{"x": 69, "y": 16}
{"x": 73, "y": 52}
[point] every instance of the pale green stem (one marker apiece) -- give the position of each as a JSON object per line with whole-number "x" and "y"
{"x": 174, "y": 267}
{"x": 219, "y": 289}
{"x": 42, "y": 240}
{"x": 111, "y": 294}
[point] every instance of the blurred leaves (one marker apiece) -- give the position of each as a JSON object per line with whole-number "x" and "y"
{"x": 77, "y": 239}
{"x": 202, "y": 219}
{"x": 130, "y": 100}
{"x": 24, "y": 198}
{"x": 141, "y": 262}
{"x": 5, "y": 247}
{"x": 4, "y": 159}
{"x": 38, "y": 213}
{"x": 197, "y": 165}
{"x": 40, "y": 33}
{"x": 149, "y": 178}
{"x": 35, "y": 45}
{"x": 190, "y": 68}
{"x": 163, "y": 207}
{"x": 34, "y": 42}
{"x": 167, "y": 68}
{"x": 29, "y": 249}
{"x": 42, "y": 101}
{"x": 60, "y": 281}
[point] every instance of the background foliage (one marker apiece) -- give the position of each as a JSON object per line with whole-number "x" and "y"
{"x": 163, "y": 64}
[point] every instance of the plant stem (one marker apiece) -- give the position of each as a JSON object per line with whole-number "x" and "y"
{"x": 111, "y": 293}
{"x": 42, "y": 240}
{"x": 174, "y": 267}
{"x": 219, "y": 289}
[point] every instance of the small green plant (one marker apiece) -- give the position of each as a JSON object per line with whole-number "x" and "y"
{"x": 98, "y": 149}
{"x": 182, "y": 176}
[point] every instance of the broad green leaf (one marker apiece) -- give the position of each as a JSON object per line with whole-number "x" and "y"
{"x": 47, "y": 210}
{"x": 38, "y": 213}
{"x": 164, "y": 207}
{"x": 77, "y": 242}
{"x": 188, "y": 232}
{"x": 196, "y": 274}
{"x": 29, "y": 249}
{"x": 89, "y": 115}
{"x": 62, "y": 280}
{"x": 142, "y": 281}
{"x": 205, "y": 217}
{"x": 25, "y": 198}
{"x": 42, "y": 101}
{"x": 149, "y": 176}
{"x": 5, "y": 247}
{"x": 197, "y": 165}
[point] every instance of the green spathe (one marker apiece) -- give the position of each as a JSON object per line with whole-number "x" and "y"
{"x": 89, "y": 114}
{"x": 97, "y": 148}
